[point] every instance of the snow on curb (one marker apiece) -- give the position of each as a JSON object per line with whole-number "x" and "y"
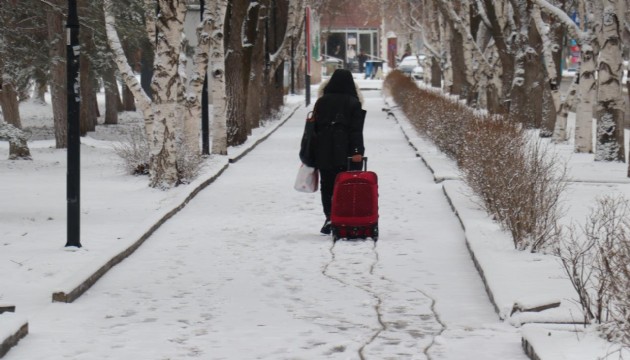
{"x": 541, "y": 293}
{"x": 12, "y": 329}
{"x": 568, "y": 342}
{"x": 74, "y": 286}
{"x": 538, "y": 297}
{"x": 437, "y": 162}
{"x": 533, "y": 289}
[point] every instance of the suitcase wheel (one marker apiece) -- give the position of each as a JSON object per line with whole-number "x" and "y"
{"x": 355, "y": 232}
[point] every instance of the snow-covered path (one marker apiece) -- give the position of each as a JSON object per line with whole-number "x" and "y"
{"x": 242, "y": 273}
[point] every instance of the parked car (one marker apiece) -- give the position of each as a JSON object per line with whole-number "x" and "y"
{"x": 417, "y": 73}
{"x": 331, "y": 63}
{"x": 410, "y": 66}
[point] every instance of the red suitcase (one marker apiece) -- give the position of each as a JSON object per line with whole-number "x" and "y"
{"x": 354, "y": 212}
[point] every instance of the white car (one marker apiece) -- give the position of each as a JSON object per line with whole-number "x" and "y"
{"x": 410, "y": 66}
{"x": 417, "y": 73}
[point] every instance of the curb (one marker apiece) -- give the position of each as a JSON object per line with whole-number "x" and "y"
{"x": 529, "y": 349}
{"x": 12, "y": 328}
{"x": 472, "y": 254}
{"x": 450, "y": 183}
{"x": 405, "y": 130}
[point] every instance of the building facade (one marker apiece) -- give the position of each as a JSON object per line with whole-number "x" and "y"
{"x": 369, "y": 27}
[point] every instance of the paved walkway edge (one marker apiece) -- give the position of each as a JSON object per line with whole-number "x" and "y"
{"x": 447, "y": 174}
{"x": 12, "y": 328}
{"x": 71, "y": 290}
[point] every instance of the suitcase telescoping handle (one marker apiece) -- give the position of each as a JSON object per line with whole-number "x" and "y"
{"x": 363, "y": 162}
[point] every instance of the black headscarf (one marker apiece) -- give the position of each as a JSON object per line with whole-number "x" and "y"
{"x": 341, "y": 82}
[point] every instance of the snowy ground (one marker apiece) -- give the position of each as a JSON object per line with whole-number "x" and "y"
{"x": 241, "y": 272}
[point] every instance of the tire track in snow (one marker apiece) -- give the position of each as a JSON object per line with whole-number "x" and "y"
{"x": 406, "y": 316}
{"x": 325, "y": 271}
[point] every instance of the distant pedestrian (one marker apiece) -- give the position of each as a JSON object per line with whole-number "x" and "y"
{"x": 362, "y": 59}
{"x": 351, "y": 54}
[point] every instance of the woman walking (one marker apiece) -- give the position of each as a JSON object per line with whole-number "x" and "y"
{"x": 338, "y": 134}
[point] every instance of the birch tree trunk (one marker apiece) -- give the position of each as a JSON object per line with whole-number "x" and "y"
{"x": 160, "y": 115}
{"x": 294, "y": 17}
{"x": 496, "y": 14}
{"x": 126, "y": 73}
{"x": 461, "y": 46}
{"x": 560, "y": 128}
{"x": 191, "y": 121}
{"x": 588, "y": 87}
{"x": 217, "y": 63}
{"x": 192, "y": 99}
{"x": 610, "y": 102}
{"x": 584, "y": 109}
{"x": 526, "y": 95}
{"x": 446, "y": 64}
{"x": 163, "y": 170}
{"x": 552, "y": 88}
{"x": 586, "y": 78}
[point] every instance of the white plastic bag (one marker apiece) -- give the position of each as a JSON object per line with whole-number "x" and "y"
{"x": 307, "y": 179}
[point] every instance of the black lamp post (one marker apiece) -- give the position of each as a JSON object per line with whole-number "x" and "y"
{"x": 74, "y": 142}
{"x": 205, "y": 121}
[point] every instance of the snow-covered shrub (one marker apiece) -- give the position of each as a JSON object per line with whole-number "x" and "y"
{"x": 189, "y": 163}
{"x": 597, "y": 261}
{"x": 18, "y": 147}
{"x": 518, "y": 180}
{"x": 134, "y": 151}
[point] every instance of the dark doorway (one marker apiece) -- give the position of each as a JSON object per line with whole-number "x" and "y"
{"x": 336, "y": 46}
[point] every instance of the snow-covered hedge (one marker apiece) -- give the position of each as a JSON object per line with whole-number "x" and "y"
{"x": 517, "y": 178}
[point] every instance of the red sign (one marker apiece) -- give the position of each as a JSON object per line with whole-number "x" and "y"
{"x": 307, "y": 27}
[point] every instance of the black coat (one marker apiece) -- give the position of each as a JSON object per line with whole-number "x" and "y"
{"x": 338, "y": 130}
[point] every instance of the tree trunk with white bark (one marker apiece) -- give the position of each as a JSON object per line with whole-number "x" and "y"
{"x": 446, "y": 64}
{"x": 192, "y": 97}
{"x": 496, "y": 13}
{"x": 217, "y": 64}
{"x": 586, "y": 95}
{"x": 126, "y": 73}
{"x": 610, "y": 102}
{"x": 551, "y": 93}
{"x": 163, "y": 170}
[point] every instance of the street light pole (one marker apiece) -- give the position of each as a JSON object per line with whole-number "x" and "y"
{"x": 205, "y": 117}
{"x": 74, "y": 142}
{"x": 307, "y": 54}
